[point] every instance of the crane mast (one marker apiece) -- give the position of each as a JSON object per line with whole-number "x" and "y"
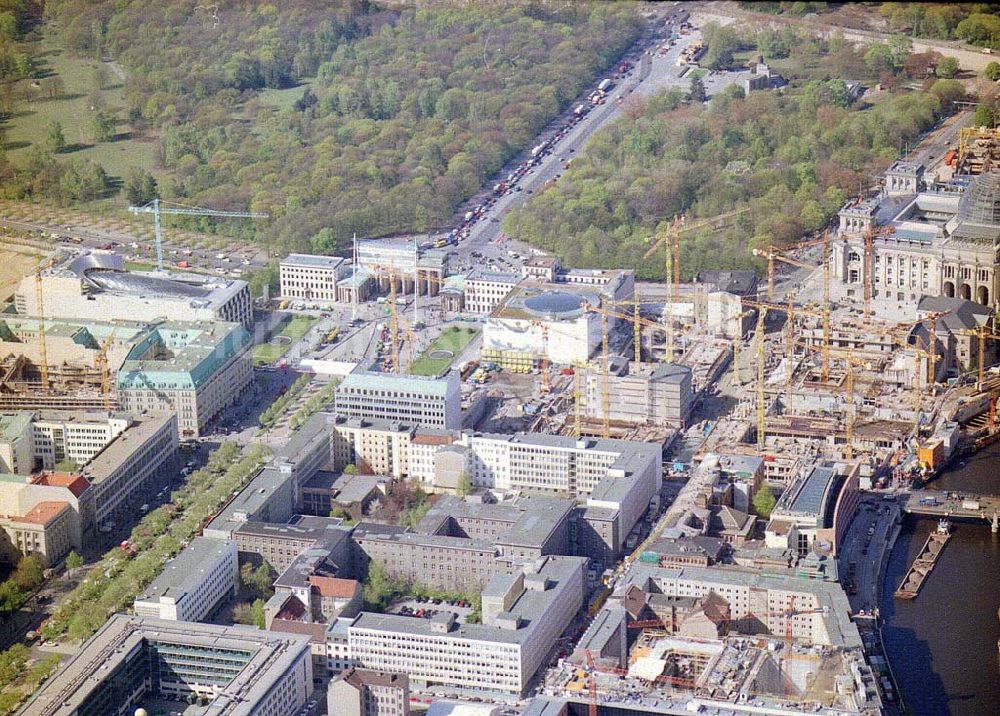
{"x": 154, "y": 207}
{"x": 761, "y": 413}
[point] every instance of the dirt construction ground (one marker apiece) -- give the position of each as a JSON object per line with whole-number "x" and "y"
{"x": 15, "y": 263}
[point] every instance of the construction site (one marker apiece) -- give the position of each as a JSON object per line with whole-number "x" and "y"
{"x": 754, "y": 671}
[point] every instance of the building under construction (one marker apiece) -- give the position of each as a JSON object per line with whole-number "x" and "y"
{"x": 65, "y": 364}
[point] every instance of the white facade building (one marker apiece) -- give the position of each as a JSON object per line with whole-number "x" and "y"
{"x": 190, "y": 586}
{"x": 485, "y": 290}
{"x": 415, "y": 400}
{"x": 310, "y": 277}
{"x": 523, "y": 615}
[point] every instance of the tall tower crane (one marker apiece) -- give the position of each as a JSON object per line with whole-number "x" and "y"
{"x": 772, "y": 256}
{"x": 761, "y": 411}
{"x": 42, "y": 352}
{"x": 982, "y": 333}
{"x": 102, "y": 363}
{"x": 671, "y": 238}
{"x": 773, "y": 252}
{"x": 155, "y": 208}
{"x": 868, "y": 264}
{"x": 605, "y": 377}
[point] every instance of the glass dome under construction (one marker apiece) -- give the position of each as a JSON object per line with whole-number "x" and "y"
{"x": 555, "y": 304}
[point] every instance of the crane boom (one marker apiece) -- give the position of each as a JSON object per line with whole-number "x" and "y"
{"x": 154, "y": 207}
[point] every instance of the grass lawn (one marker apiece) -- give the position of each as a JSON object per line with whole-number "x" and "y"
{"x": 30, "y": 123}
{"x": 143, "y": 266}
{"x": 697, "y": 74}
{"x": 284, "y": 98}
{"x": 454, "y": 339}
{"x": 265, "y": 353}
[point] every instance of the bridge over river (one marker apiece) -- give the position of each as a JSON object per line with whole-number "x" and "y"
{"x": 955, "y": 505}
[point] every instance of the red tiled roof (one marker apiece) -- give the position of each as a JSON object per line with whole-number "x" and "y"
{"x": 74, "y": 482}
{"x": 333, "y": 587}
{"x": 42, "y": 513}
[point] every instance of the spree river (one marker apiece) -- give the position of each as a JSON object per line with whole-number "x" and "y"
{"x": 943, "y": 644}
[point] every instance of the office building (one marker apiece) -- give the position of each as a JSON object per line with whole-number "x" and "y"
{"x": 193, "y": 584}
{"x": 557, "y": 463}
{"x": 360, "y": 692}
{"x": 134, "y": 661}
{"x": 310, "y": 277}
{"x": 133, "y": 466}
{"x": 818, "y": 505}
{"x": 194, "y": 370}
{"x": 436, "y": 561}
{"x": 523, "y": 615}
{"x": 416, "y": 400}
{"x": 96, "y": 286}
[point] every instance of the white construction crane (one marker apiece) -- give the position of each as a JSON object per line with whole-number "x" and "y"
{"x": 155, "y": 208}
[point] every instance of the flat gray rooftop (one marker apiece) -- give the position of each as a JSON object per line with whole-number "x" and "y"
{"x": 187, "y": 569}
{"x": 115, "y": 453}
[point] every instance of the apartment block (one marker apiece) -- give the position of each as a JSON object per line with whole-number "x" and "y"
{"x": 821, "y": 611}
{"x": 360, "y": 692}
{"x": 193, "y": 583}
{"x": 417, "y": 400}
{"x": 131, "y": 660}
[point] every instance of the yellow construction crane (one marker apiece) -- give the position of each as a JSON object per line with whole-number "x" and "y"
{"x": 772, "y": 256}
{"x": 544, "y": 365}
{"x": 671, "y": 239}
{"x": 43, "y": 355}
{"x": 605, "y": 377}
{"x": 102, "y": 362}
{"x": 981, "y": 333}
{"x": 393, "y": 322}
{"x": 761, "y": 412}
{"x": 773, "y": 252}
{"x": 868, "y": 265}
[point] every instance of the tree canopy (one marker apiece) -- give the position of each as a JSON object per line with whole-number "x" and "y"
{"x": 402, "y": 114}
{"x": 792, "y": 159}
